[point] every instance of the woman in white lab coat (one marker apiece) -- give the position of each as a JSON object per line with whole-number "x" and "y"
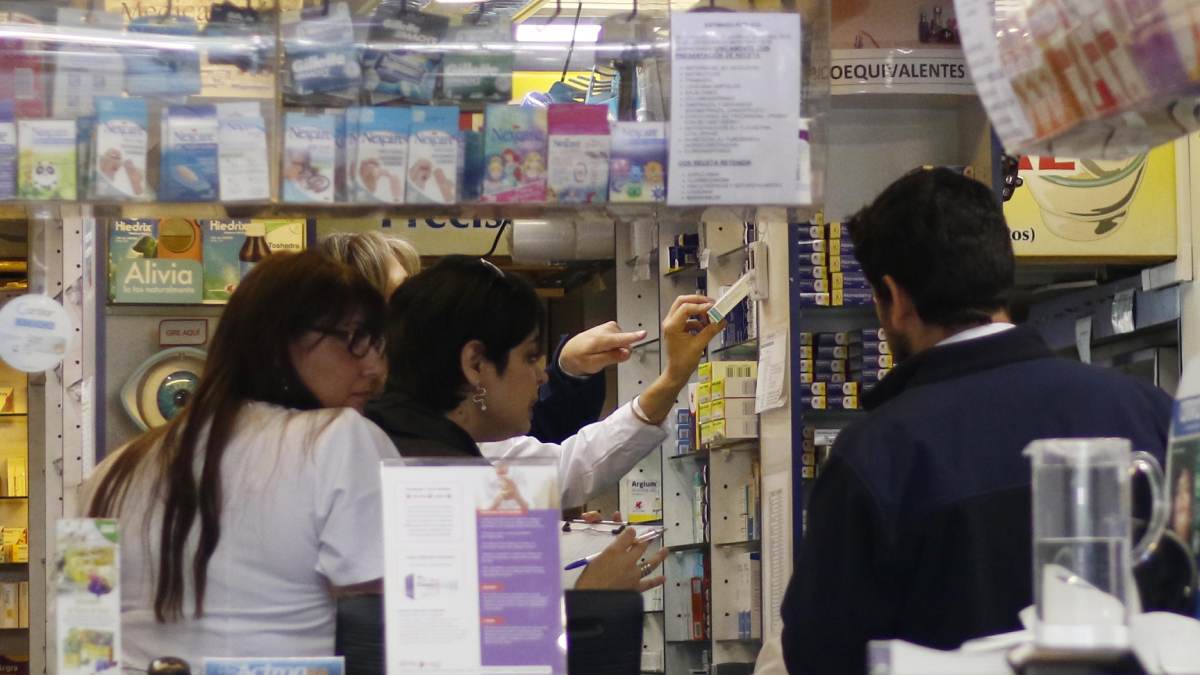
{"x": 597, "y": 455}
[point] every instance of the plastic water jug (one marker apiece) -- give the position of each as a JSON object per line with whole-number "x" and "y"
{"x": 1082, "y": 526}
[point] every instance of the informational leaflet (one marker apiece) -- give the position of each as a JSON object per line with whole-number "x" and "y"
{"x": 316, "y": 665}
{"x": 472, "y": 577}
{"x": 772, "y": 367}
{"x": 87, "y": 605}
{"x": 735, "y": 109}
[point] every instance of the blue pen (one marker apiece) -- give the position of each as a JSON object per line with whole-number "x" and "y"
{"x": 640, "y": 539}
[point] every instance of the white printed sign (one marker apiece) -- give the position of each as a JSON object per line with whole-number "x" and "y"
{"x": 735, "y": 109}
{"x": 891, "y": 71}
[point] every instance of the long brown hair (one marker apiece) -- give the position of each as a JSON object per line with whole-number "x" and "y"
{"x": 285, "y": 296}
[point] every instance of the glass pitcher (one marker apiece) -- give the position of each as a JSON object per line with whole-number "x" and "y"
{"x": 1082, "y": 526}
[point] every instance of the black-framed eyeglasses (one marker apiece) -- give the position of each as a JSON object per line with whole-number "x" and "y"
{"x": 359, "y": 341}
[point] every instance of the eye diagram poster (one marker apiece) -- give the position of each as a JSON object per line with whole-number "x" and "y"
{"x": 472, "y": 581}
{"x": 735, "y": 109}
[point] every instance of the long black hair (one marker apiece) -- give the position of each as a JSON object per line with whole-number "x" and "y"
{"x": 286, "y": 295}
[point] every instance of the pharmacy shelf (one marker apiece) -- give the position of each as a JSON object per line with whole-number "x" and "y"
{"x": 685, "y": 272}
{"x": 739, "y": 252}
{"x": 735, "y": 445}
{"x": 749, "y": 543}
{"x": 651, "y": 345}
{"x": 20, "y": 498}
{"x": 747, "y": 348}
{"x": 701, "y": 454}
{"x": 698, "y": 546}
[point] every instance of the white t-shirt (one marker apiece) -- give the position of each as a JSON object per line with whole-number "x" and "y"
{"x": 302, "y": 512}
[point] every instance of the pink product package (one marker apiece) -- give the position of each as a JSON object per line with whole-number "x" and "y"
{"x": 578, "y": 153}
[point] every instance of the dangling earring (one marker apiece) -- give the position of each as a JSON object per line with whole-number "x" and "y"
{"x": 480, "y": 397}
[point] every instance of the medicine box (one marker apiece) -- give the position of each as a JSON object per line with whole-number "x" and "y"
{"x": 812, "y": 259}
{"x": 823, "y": 365}
{"x": 849, "y": 281}
{"x": 729, "y": 430}
{"x": 881, "y": 361}
{"x": 704, "y": 415}
{"x": 704, "y": 393}
{"x": 732, "y": 408}
{"x": 876, "y": 348}
{"x": 286, "y": 234}
{"x": 838, "y": 339}
{"x": 734, "y": 387}
{"x": 713, "y": 371}
{"x": 223, "y": 240}
{"x": 813, "y": 299}
{"x": 811, "y": 285}
{"x": 812, "y": 271}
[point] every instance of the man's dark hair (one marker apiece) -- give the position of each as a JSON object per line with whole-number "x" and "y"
{"x": 942, "y": 237}
{"x": 437, "y": 312}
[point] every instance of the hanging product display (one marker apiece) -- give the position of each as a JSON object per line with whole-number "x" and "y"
{"x": 1085, "y": 79}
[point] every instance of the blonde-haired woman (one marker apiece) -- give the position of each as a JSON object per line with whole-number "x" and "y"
{"x": 592, "y": 455}
{"x": 386, "y": 262}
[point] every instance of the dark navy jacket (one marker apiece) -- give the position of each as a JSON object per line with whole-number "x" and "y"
{"x": 565, "y": 404}
{"x": 919, "y": 526}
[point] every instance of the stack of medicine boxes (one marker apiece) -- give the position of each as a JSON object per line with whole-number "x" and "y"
{"x": 812, "y": 284}
{"x": 725, "y": 401}
{"x": 876, "y": 356}
{"x": 835, "y": 368}
{"x": 828, "y": 274}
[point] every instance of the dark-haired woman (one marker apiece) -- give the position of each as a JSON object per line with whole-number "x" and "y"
{"x": 242, "y": 517}
{"x": 465, "y": 359}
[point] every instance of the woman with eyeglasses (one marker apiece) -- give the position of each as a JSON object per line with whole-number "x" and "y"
{"x": 242, "y": 517}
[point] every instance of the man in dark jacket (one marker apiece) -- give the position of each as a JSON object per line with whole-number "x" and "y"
{"x": 919, "y": 526}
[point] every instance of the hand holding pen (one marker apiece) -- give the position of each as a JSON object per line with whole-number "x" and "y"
{"x": 617, "y": 567}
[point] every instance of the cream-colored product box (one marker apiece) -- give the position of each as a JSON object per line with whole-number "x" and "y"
{"x": 286, "y": 235}
{"x": 732, "y": 408}
{"x": 808, "y": 339}
{"x": 712, "y": 371}
{"x": 23, "y": 604}
{"x": 10, "y": 605}
{"x": 808, "y": 472}
{"x": 850, "y": 389}
{"x": 816, "y": 388}
{"x": 734, "y": 387}
{"x": 731, "y": 430}
{"x": 703, "y": 393}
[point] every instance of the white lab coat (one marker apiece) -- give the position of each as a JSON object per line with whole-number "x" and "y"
{"x": 594, "y": 458}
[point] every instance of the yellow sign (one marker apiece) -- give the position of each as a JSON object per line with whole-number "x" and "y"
{"x": 1090, "y": 209}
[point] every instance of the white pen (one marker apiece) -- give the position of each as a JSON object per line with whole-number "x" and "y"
{"x": 641, "y": 539}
